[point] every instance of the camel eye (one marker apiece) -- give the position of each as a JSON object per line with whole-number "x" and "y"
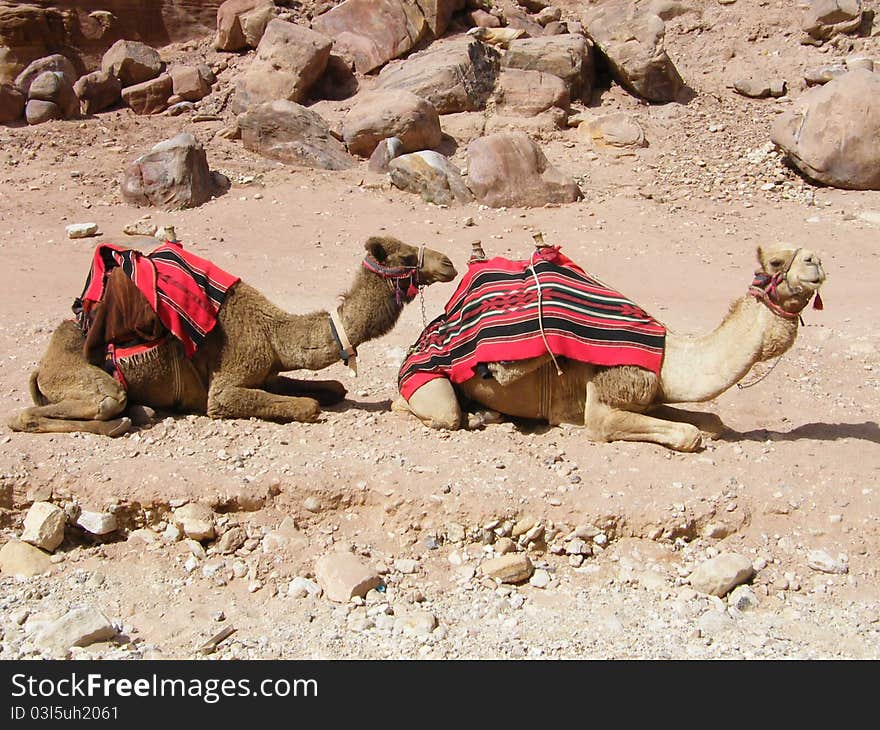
{"x": 776, "y": 263}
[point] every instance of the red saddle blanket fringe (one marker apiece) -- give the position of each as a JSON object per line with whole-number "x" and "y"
{"x": 493, "y": 316}
{"x": 185, "y": 290}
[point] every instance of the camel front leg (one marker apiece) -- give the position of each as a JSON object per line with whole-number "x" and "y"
{"x": 326, "y": 392}
{"x": 434, "y": 404}
{"x": 67, "y": 417}
{"x": 226, "y": 400}
{"x": 708, "y": 423}
{"x": 604, "y": 423}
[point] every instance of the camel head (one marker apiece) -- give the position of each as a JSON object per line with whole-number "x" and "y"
{"x": 790, "y": 278}
{"x": 395, "y": 258}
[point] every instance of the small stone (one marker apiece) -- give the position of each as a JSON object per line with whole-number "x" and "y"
{"x": 540, "y": 579}
{"x": 778, "y": 87}
{"x": 504, "y": 545}
{"x": 231, "y": 540}
{"x": 303, "y": 587}
{"x": 23, "y": 560}
{"x": 406, "y": 566}
{"x": 577, "y": 547}
{"x": 522, "y": 526}
{"x": 172, "y": 533}
{"x": 141, "y": 227}
{"x": 195, "y": 548}
{"x": 78, "y": 627}
{"x": 716, "y": 530}
{"x": 312, "y": 504}
{"x": 512, "y": 568}
{"x": 575, "y": 561}
{"x": 196, "y": 520}
{"x": 455, "y": 532}
{"x": 824, "y": 563}
{"x": 416, "y": 623}
{"x": 82, "y": 230}
{"x": 44, "y": 526}
{"x": 721, "y": 574}
{"x": 343, "y": 576}
{"x": 97, "y": 523}
{"x": 742, "y": 598}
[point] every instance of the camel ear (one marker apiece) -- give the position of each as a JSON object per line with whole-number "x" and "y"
{"x": 760, "y": 253}
{"x": 375, "y": 246}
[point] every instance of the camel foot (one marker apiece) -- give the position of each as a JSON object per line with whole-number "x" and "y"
{"x": 29, "y": 423}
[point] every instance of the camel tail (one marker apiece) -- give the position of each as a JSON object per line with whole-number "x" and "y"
{"x": 36, "y": 395}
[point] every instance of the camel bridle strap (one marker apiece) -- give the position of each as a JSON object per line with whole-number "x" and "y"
{"x": 347, "y": 352}
{"x": 405, "y": 281}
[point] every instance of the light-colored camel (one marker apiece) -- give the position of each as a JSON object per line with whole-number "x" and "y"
{"x": 235, "y": 373}
{"x": 614, "y": 403}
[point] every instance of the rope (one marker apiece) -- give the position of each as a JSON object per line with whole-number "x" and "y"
{"x": 541, "y": 312}
{"x": 755, "y": 382}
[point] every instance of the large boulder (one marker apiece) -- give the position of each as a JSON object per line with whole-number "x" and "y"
{"x": 430, "y": 175}
{"x": 287, "y": 131}
{"x": 241, "y": 23}
{"x": 150, "y": 97}
{"x": 528, "y": 93}
{"x": 56, "y": 62}
{"x": 455, "y": 76}
{"x": 438, "y": 13}
{"x": 54, "y": 86}
{"x": 190, "y": 83}
{"x": 568, "y": 56}
{"x": 509, "y": 170}
{"x": 172, "y": 176}
{"x": 12, "y": 103}
{"x": 372, "y": 32}
{"x": 632, "y": 41}
{"x": 132, "y": 62}
{"x": 289, "y": 60}
{"x": 382, "y": 114}
{"x": 833, "y": 133}
{"x": 826, "y": 18}
{"x": 38, "y": 111}
{"x": 97, "y": 91}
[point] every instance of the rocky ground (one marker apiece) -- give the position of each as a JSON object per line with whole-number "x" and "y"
{"x": 792, "y": 487}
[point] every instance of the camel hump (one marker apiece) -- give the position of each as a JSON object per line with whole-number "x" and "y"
{"x": 36, "y": 394}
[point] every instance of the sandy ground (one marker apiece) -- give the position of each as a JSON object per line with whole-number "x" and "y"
{"x": 673, "y": 226}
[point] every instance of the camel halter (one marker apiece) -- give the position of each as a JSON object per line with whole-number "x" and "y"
{"x": 397, "y": 277}
{"x": 764, "y": 289}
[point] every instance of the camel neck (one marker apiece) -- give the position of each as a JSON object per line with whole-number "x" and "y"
{"x": 700, "y": 368}
{"x": 369, "y": 309}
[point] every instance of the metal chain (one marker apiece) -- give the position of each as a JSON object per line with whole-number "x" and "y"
{"x": 755, "y": 382}
{"x": 422, "y": 302}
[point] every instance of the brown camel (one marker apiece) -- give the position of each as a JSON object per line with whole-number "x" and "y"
{"x": 235, "y": 373}
{"x": 614, "y": 403}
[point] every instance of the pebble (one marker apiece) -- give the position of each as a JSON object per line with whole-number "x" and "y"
{"x": 577, "y": 547}
{"x": 504, "y": 545}
{"x": 44, "y": 526}
{"x": 78, "y": 627}
{"x": 82, "y": 230}
{"x": 312, "y": 504}
{"x": 742, "y": 598}
{"x": 196, "y": 520}
{"x": 512, "y": 568}
{"x": 343, "y": 576}
{"x": 721, "y": 574}
{"x": 540, "y": 579}
{"x": 97, "y": 523}
{"x": 231, "y": 540}
{"x": 406, "y": 566}
{"x": 455, "y": 532}
{"x": 416, "y": 623}
{"x": 23, "y": 560}
{"x": 141, "y": 415}
{"x": 301, "y": 587}
{"x": 824, "y": 563}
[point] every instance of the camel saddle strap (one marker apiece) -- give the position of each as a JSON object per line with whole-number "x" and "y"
{"x": 347, "y": 353}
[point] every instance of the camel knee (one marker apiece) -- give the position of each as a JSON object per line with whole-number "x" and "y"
{"x": 111, "y": 406}
{"x": 24, "y": 421}
{"x": 436, "y": 405}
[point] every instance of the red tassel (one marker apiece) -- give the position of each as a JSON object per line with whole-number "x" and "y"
{"x": 817, "y": 302}
{"x": 412, "y": 292}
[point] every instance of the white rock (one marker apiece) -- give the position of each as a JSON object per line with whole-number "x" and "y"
{"x": 44, "y": 526}
{"x": 302, "y": 587}
{"x": 721, "y": 574}
{"x": 824, "y": 563}
{"x": 82, "y": 230}
{"x": 417, "y": 623}
{"x": 97, "y": 523}
{"x": 540, "y": 579}
{"x": 196, "y": 520}
{"x": 343, "y": 576}
{"x": 406, "y": 565}
{"x": 742, "y": 598}
{"x": 78, "y": 627}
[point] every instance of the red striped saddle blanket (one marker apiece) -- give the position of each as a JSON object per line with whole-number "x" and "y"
{"x": 185, "y": 290}
{"x": 505, "y": 311}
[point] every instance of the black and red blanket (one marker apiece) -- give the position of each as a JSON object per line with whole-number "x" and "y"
{"x": 184, "y": 290}
{"x": 493, "y": 316}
